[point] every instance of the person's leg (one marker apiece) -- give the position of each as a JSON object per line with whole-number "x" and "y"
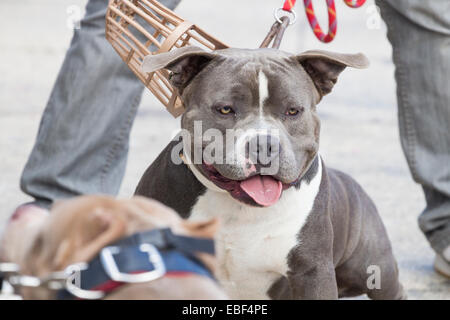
{"x": 82, "y": 143}
{"x": 420, "y": 36}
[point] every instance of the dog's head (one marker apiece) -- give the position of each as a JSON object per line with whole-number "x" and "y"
{"x": 251, "y": 114}
{"x": 77, "y": 229}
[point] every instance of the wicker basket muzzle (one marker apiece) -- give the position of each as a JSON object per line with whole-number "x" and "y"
{"x": 138, "y": 28}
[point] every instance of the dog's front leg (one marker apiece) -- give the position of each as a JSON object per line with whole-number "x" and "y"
{"x": 313, "y": 281}
{"x": 318, "y": 282}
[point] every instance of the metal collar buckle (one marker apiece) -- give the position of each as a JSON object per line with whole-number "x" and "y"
{"x": 112, "y": 270}
{"x": 277, "y": 14}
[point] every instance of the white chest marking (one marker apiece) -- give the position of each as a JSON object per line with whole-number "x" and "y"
{"x": 263, "y": 91}
{"x": 253, "y": 243}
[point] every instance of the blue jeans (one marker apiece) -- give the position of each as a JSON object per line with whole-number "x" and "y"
{"x": 419, "y": 32}
{"x": 82, "y": 142}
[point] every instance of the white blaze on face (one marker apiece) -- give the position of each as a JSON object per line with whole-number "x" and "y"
{"x": 263, "y": 91}
{"x": 258, "y": 127}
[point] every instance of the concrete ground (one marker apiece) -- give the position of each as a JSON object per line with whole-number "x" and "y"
{"x": 359, "y": 128}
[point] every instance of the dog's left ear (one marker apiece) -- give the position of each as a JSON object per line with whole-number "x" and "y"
{"x": 324, "y": 67}
{"x": 101, "y": 227}
{"x": 185, "y": 63}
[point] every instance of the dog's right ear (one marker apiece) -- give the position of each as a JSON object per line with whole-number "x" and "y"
{"x": 185, "y": 63}
{"x": 102, "y": 227}
{"x": 324, "y": 67}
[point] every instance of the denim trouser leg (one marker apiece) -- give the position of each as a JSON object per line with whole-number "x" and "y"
{"x": 419, "y": 32}
{"x": 82, "y": 142}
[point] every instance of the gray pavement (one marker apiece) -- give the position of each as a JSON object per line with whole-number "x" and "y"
{"x": 359, "y": 124}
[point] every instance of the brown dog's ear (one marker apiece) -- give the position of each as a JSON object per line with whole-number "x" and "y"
{"x": 324, "y": 67}
{"x": 185, "y": 63}
{"x": 102, "y": 229}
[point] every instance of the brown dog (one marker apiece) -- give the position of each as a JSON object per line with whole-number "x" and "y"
{"x": 76, "y": 231}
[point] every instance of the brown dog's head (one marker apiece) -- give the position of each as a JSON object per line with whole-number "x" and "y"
{"x": 78, "y": 229}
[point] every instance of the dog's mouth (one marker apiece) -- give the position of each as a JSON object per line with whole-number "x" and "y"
{"x": 257, "y": 190}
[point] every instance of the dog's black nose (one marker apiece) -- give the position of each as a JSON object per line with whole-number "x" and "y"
{"x": 263, "y": 149}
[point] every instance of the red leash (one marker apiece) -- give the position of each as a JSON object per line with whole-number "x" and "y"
{"x": 332, "y": 21}
{"x": 289, "y": 4}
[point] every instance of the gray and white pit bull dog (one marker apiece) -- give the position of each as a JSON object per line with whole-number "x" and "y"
{"x": 302, "y": 232}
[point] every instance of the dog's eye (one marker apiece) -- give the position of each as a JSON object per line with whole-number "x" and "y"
{"x": 292, "y": 112}
{"x": 226, "y": 110}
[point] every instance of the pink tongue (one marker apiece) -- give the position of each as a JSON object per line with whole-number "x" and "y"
{"x": 265, "y": 190}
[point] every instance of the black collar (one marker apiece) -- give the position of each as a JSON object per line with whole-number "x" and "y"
{"x": 139, "y": 258}
{"x": 309, "y": 174}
